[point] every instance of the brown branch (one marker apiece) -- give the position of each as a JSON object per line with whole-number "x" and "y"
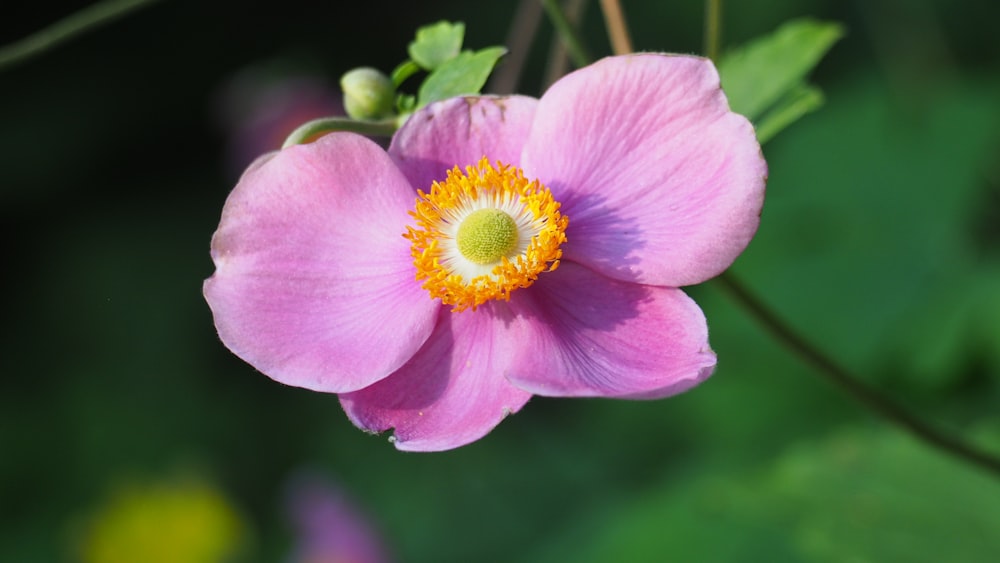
{"x": 614, "y": 20}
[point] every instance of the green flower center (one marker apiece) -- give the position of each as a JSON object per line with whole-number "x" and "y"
{"x": 486, "y": 236}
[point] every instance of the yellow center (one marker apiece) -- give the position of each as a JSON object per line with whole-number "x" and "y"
{"x": 486, "y": 236}
{"x": 483, "y": 233}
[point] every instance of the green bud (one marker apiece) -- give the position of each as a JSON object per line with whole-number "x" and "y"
{"x": 368, "y": 94}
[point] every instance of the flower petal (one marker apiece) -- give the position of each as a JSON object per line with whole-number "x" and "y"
{"x": 451, "y": 393}
{"x": 661, "y": 182}
{"x": 459, "y": 132}
{"x": 581, "y": 334}
{"x": 314, "y": 281}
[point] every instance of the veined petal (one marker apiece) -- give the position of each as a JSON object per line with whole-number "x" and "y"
{"x": 314, "y": 283}
{"x": 662, "y": 183}
{"x": 459, "y": 132}
{"x": 451, "y": 393}
{"x": 582, "y": 334}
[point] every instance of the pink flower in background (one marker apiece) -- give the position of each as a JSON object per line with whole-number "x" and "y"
{"x": 261, "y": 105}
{"x": 542, "y": 255}
{"x": 329, "y": 527}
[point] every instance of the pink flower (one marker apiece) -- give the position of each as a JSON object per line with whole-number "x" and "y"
{"x": 646, "y": 182}
{"x": 260, "y": 106}
{"x": 330, "y": 527}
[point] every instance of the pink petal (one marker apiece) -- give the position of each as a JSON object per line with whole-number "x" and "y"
{"x": 314, "y": 284}
{"x": 662, "y": 184}
{"x": 581, "y": 334}
{"x": 451, "y": 393}
{"x": 459, "y": 132}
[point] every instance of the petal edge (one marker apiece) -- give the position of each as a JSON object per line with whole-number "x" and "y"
{"x": 291, "y": 293}
{"x": 586, "y": 335}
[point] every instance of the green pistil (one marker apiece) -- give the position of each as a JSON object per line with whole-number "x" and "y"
{"x": 486, "y": 236}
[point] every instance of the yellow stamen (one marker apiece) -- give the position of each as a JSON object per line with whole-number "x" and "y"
{"x": 484, "y": 233}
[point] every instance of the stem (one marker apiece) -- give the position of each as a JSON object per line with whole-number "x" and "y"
{"x": 571, "y": 39}
{"x": 614, "y": 20}
{"x": 312, "y": 129}
{"x": 405, "y": 70}
{"x": 863, "y": 393}
{"x": 87, "y": 19}
{"x": 522, "y": 33}
{"x": 713, "y": 28}
{"x": 558, "y": 62}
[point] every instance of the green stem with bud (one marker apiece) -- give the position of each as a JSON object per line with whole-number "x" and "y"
{"x": 310, "y": 130}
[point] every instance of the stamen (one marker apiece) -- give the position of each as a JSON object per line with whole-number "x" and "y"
{"x": 484, "y": 233}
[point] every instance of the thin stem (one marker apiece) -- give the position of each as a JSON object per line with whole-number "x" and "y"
{"x": 522, "y": 33}
{"x": 863, "y": 393}
{"x": 311, "y": 129}
{"x": 571, "y": 39}
{"x": 558, "y": 61}
{"x": 405, "y": 70}
{"x": 614, "y": 20}
{"x": 87, "y": 19}
{"x": 713, "y": 28}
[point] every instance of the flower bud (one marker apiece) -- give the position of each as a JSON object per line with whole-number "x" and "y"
{"x": 368, "y": 94}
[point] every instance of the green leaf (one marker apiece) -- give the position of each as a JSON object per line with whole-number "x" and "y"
{"x": 799, "y": 101}
{"x": 759, "y": 74}
{"x": 462, "y": 75}
{"x": 437, "y": 43}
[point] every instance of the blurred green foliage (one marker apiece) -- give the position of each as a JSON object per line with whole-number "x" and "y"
{"x": 855, "y": 496}
{"x": 879, "y": 242}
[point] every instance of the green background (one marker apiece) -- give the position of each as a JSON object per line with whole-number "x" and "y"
{"x": 880, "y": 242}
